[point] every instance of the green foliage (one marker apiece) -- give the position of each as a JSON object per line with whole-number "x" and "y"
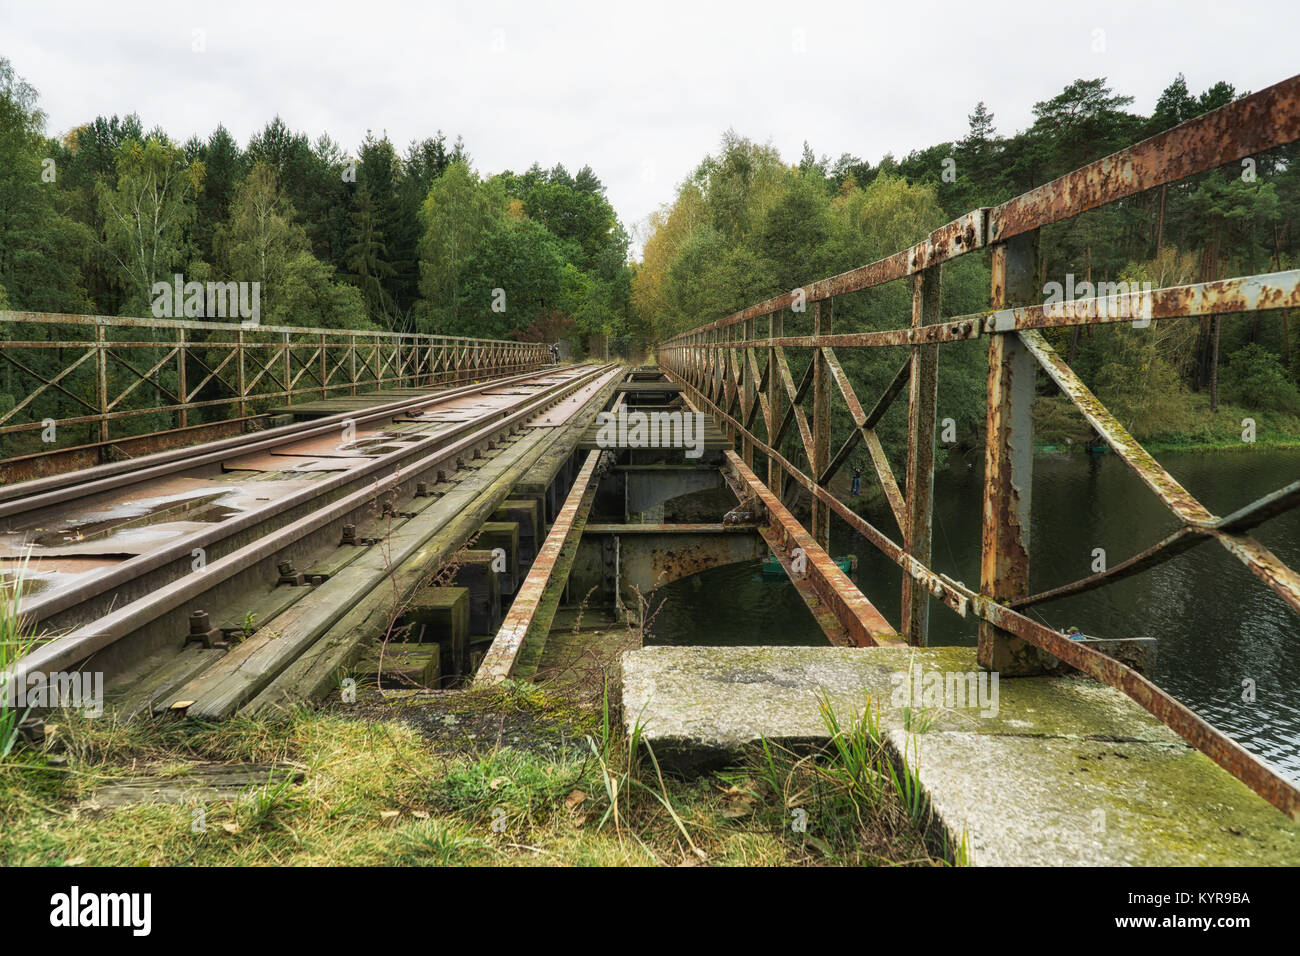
{"x": 1255, "y": 378}
{"x": 262, "y": 243}
{"x": 456, "y": 215}
{"x": 516, "y": 254}
{"x": 146, "y": 213}
{"x": 40, "y": 250}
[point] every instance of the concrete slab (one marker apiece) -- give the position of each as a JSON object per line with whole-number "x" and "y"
{"x": 1049, "y": 801}
{"x": 1047, "y": 771}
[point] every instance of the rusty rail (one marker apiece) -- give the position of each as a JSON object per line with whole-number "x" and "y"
{"x": 744, "y": 379}
{"x": 104, "y": 371}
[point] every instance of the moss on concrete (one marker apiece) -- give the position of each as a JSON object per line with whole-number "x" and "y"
{"x": 1060, "y": 771}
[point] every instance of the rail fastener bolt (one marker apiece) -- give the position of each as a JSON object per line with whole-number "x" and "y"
{"x": 289, "y": 576}
{"x": 202, "y": 631}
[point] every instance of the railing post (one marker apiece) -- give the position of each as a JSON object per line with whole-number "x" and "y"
{"x": 324, "y": 393}
{"x": 1008, "y": 459}
{"x": 821, "y": 429}
{"x": 239, "y": 371}
{"x": 287, "y": 354}
{"x": 715, "y": 370}
{"x": 775, "y": 474}
{"x": 101, "y": 361}
{"x": 921, "y": 402}
{"x": 730, "y": 386}
{"x": 352, "y": 360}
{"x": 751, "y": 386}
{"x": 182, "y": 390}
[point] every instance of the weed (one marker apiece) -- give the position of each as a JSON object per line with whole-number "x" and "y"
{"x": 14, "y": 643}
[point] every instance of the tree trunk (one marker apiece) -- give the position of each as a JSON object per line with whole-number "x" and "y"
{"x": 1160, "y": 221}
{"x": 1214, "y": 368}
{"x": 1286, "y": 313}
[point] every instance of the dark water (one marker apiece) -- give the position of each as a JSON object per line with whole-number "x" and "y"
{"x": 1217, "y": 625}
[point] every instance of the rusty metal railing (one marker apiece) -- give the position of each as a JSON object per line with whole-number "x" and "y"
{"x": 719, "y": 364}
{"x": 111, "y": 374}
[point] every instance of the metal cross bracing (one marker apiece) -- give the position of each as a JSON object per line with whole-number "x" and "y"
{"x": 115, "y": 375}
{"x": 745, "y": 379}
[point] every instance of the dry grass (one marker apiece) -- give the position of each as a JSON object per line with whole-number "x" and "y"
{"x": 382, "y": 786}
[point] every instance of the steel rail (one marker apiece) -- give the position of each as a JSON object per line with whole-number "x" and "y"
{"x": 41, "y": 492}
{"x": 69, "y": 649}
{"x": 60, "y": 600}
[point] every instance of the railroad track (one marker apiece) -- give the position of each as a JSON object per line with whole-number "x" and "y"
{"x": 216, "y": 523}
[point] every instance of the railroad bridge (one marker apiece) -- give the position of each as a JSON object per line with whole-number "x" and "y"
{"x": 231, "y": 520}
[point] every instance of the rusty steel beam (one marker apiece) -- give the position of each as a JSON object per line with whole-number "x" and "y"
{"x": 751, "y": 386}
{"x": 499, "y": 661}
{"x": 1008, "y": 462}
{"x": 1258, "y": 293}
{"x": 775, "y": 415}
{"x": 1257, "y": 512}
{"x": 1173, "y": 495}
{"x": 865, "y": 432}
{"x": 1251, "y": 125}
{"x": 759, "y": 398}
{"x": 955, "y": 330}
{"x": 1171, "y": 546}
{"x": 1264, "y": 564}
{"x": 923, "y": 398}
{"x": 821, "y": 420}
{"x": 795, "y": 410}
{"x": 863, "y": 625}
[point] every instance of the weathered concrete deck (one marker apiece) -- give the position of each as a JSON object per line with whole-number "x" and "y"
{"x": 1062, "y": 771}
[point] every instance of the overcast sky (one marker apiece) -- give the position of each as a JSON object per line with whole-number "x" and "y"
{"x": 640, "y": 92}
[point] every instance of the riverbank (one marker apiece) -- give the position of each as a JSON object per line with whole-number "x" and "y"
{"x": 1187, "y": 425}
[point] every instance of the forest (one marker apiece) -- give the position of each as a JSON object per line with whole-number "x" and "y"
{"x": 411, "y": 240}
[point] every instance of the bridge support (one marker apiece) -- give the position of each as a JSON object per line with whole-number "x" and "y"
{"x": 922, "y": 399}
{"x": 775, "y": 476}
{"x": 1008, "y": 460}
{"x": 821, "y": 424}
